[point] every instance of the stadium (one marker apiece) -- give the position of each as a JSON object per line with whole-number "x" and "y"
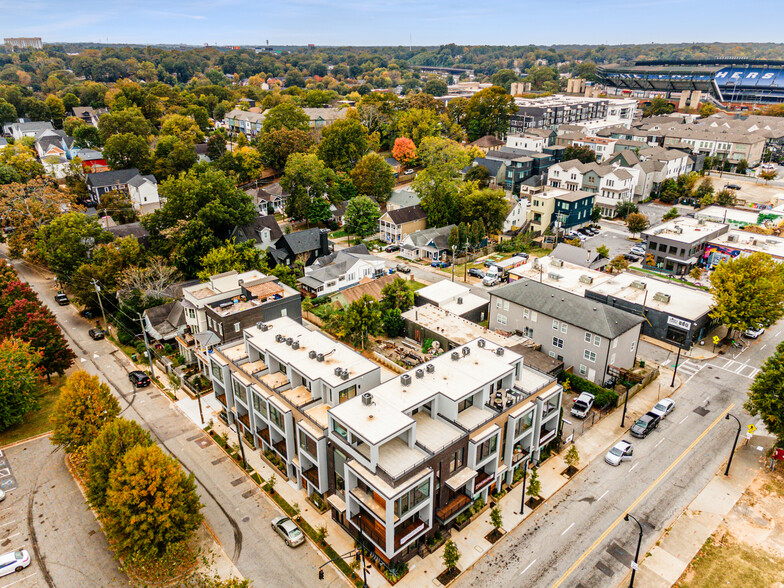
{"x": 727, "y": 80}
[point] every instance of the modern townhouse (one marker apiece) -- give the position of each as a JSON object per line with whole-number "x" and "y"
{"x": 570, "y": 209}
{"x": 527, "y": 142}
{"x": 395, "y": 224}
{"x": 552, "y": 111}
{"x": 726, "y": 146}
{"x": 610, "y": 184}
{"x": 414, "y": 452}
{"x": 584, "y": 334}
{"x": 678, "y": 245}
{"x": 242, "y": 121}
{"x": 603, "y": 147}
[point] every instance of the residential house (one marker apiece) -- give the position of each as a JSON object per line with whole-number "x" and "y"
{"x": 366, "y": 286}
{"x": 610, "y": 184}
{"x": 527, "y": 142}
{"x": 318, "y": 118}
{"x": 19, "y": 130}
{"x": 455, "y": 298}
{"x": 394, "y": 164}
{"x": 587, "y": 258}
{"x": 263, "y": 231}
{"x": 583, "y": 333}
{"x": 496, "y": 169}
{"x": 343, "y": 269}
{"x": 270, "y": 199}
{"x": 678, "y": 245}
{"x": 603, "y": 147}
{"x": 429, "y": 244}
{"x": 92, "y": 160}
{"x": 242, "y": 121}
{"x": 88, "y": 114}
{"x": 394, "y": 225}
{"x": 102, "y": 182}
{"x": 486, "y": 143}
{"x": 402, "y": 198}
{"x": 165, "y": 321}
{"x": 303, "y": 246}
{"x": 448, "y": 329}
{"x": 517, "y": 216}
{"x": 135, "y": 230}
{"x": 143, "y": 191}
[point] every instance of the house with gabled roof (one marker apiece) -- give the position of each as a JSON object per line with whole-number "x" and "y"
{"x": 394, "y": 225}
{"x": 305, "y": 246}
{"x": 342, "y": 269}
{"x": 431, "y": 244}
{"x": 263, "y": 232}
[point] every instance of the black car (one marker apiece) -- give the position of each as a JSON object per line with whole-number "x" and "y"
{"x": 631, "y": 257}
{"x": 391, "y": 248}
{"x": 732, "y": 186}
{"x": 645, "y": 424}
{"x": 62, "y": 299}
{"x": 96, "y": 334}
{"x": 476, "y": 272}
{"x": 139, "y": 379}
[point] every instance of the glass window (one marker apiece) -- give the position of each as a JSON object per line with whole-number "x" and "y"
{"x": 308, "y": 444}
{"x": 276, "y": 417}
{"x": 347, "y": 393}
{"x": 456, "y": 461}
{"x": 217, "y": 372}
{"x": 558, "y": 342}
{"x": 463, "y": 404}
{"x": 498, "y": 303}
{"x": 506, "y": 305}
{"x": 526, "y": 313}
{"x": 239, "y": 391}
{"x": 236, "y": 327}
{"x": 597, "y": 340}
{"x": 534, "y": 316}
{"x": 590, "y": 356}
{"x": 587, "y": 337}
{"x": 524, "y": 423}
{"x": 338, "y": 429}
{"x": 259, "y": 405}
{"x": 487, "y": 448}
{"x": 528, "y": 332}
{"x": 583, "y": 370}
{"x": 556, "y": 324}
{"x": 563, "y": 327}
{"x": 412, "y": 498}
{"x": 501, "y": 319}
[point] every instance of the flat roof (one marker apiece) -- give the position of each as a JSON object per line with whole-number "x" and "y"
{"x": 443, "y": 290}
{"x": 685, "y": 229}
{"x": 751, "y": 242}
{"x": 434, "y": 434}
{"x": 566, "y": 276}
{"x": 374, "y": 422}
{"x": 455, "y": 328}
{"x": 685, "y": 302}
{"x": 722, "y": 214}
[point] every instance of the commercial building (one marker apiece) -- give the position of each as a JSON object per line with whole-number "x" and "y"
{"x": 13, "y": 43}
{"x": 564, "y": 275}
{"x": 677, "y": 246}
{"x": 735, "y": 243}
{"x": 552, "y": 111}
{"x": 583, "y": 333}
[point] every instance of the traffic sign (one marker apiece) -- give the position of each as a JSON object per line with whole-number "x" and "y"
{"x": 635, "y": 567}
{"x": 751, "y": 428}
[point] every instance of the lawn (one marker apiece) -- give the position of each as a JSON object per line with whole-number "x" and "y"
{"x": 414, "y": 285}
{"x": 36, "y": 421}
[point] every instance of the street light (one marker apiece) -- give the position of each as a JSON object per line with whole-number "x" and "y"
{"x": 626, "y": 517}
{"x": 626, "y": 400}
{"x": 734, "y": 444}
{"x": 532, "y": 463}
{"x": 675, "y": 369}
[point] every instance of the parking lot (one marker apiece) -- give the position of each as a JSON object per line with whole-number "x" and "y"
{"x": 45, "y": 513}
{"x": 613, "y": 237}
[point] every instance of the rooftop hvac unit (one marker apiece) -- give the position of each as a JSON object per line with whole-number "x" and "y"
{"x": 320, "y": 357}
{"x": 499, "y": 351}
{"x": 557, "y": 262}
{"x": 278, "y": 338}
{"x": 338, "y": 371}
{"x": 554, "y": 276}
{"x": 405, "y": 379}
{"x": 662, "y": 297}
{"x": 420, "y": 373}
{"x": 367, "y": 399}
{"x": 344, "y": 375}
{"x": 466, "y": 350}
{"x": 586, "y": 279}
{"x": 289, "y": 341}
{"x": 226, "y": 305}
{"x": 455, "y": 356}
{"x": 312, "y": 354}
{"x": 460, "y": 300}
{"x": 481, "y": 343}
{"x": 639, "y": 285}
{"x": 679, "y": 230}
{"x": 732, "y": 238}
{"x": 430, "y": 368}
{"x": 295, "y": 345}
{"x": 261, "y": 326}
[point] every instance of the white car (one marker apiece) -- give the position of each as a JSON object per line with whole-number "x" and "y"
{"x": 663, "y": 407}
{"x": 754, "y": 333}
{"x": 290, "y": 532}
{"x": 14, "y": 561}
{"x": 621, "y": 451}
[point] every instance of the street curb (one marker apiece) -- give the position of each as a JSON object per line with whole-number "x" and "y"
{"x": 20, "y": 442}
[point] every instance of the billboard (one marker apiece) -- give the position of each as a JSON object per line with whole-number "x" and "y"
{"x": 750, "y": 77}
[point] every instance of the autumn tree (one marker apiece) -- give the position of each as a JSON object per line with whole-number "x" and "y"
{"x": 637, "y": 223}
{"x": 117, "y": 205}
{"x": 19, "y": 381}
{"x": 23, "y": 159}
{"x": 766, "y": 394}
{"x": 151, "y": 504}
{"x": 361, "y": 217}
{"x": 768, "y": 175}
{"x": 240, "y": 257}
{"x": 183, "y": 127}
{"x": 373, "y": 177}
{"x": 276, "y": 146}
{"x": 618, "y": 263}
{"x": 106, "y": 451}
{"x": 105, "y": 267}
{"x": 7, "y": 274}
{"x": 404, "y": 151}
{"x": 84, "y": 407}
{"x": 748, "y": 292}
{"x": 342, "y": 144}
{"x": 534, "y": 485}
{"x": 487, "y": 113}
{"x": 725, "y": 197}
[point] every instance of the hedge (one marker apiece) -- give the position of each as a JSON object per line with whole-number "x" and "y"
{"x": 602, "y": 396}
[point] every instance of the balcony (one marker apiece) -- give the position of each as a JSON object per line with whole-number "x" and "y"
{"x": 371, "y": 529}
{"x": 221, "y": 398}
{"x": 482, "y": 480}
{"x": 519, "y": 455}
{"x": 453, "y": 507}
{"x": 408, "y": 531}
{"x": 312, "y": 476}
{"x": 280, "y": 447}
{"x": 244, "y": 419}
{"x": 545, "y": 435}
{"x": 264, "y": 435}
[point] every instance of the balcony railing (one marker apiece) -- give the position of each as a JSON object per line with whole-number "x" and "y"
{"x": 453, "y": 507}
{"x": 244, "y": 419}
{"x": 482, "y": 480}
{"x": 545, "y": 435}
{"x": 312, "y": 476}
{"x": 280, "y": 447}
{"x": 221, "y": 398}
{"x": 408, "y": 531}
{"x": 520, "y": 455}
{"x": 371, "y": 529}
{"x": 264, "y": 434}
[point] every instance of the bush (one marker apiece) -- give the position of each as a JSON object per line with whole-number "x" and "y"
{"x": 124, "y": 337}
{"x": 603, "y": 396}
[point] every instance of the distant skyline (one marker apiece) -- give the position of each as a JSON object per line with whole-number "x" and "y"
{"x": 424, "y": 22}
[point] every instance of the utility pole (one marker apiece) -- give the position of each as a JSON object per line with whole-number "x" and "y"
{"x": 147, "y": 345}
{"x": 100, "y": 302}
{"x": 734, "y": 444}
{"x": 675, "y": 369}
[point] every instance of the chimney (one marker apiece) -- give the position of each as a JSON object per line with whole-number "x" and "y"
{"x": 324, "y": 242}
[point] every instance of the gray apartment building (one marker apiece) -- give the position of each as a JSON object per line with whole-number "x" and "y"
{"x": 584, "y": 334}
{"x": 678, "y": 245}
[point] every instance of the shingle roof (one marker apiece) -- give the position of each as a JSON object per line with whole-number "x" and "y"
{"x": 487, "y": 141}
{"x": 590, "y": 315}
{"x": 406, "y": 215}
{"x": 109, "y": 178}
{"x": 577, "y": 255}
{"x": 302, "y": 241}
{"x": 251, "y": 231}
{"x": 439, "y": 236}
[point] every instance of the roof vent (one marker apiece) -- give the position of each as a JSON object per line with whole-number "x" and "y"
{"x": 338, "y": 370}
{"x": 261, "y": 326}
{"x": 405, "y": 379}
{"x": 455, "y": 356}
{"x": 289, "y": 341}
{"x": 344, "y": 375}
{"x": 586, "y": 279}
{"x": 278, "y": 338}
{"x": 481, "y": 343}
{"x": 295, "y": 345}
{"x": 557, "y": 262}
{"x": 312, "y": 354}
{"x": 499, "y": 351}
{"x": 367, "y": 399}
{"x": 430, "y": 368}
{"x": 460, "y": 300}
{"x": 320, "y": 357}
{"x": 466, "y": 350}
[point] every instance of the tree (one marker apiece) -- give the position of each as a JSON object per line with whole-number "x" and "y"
{"x": 768, "y": 175}
{"x": 7, "y": 274}
{"x": 22, "y": 158}
{"x": 240, "y": 257}
{"x": 478, "y": 174}
{"x": 766, "y": 394}
{"x": 637, "y": 223}
{"x": 172, "y": 156}
{"x": 342, "y": 144}
{"x": 56, "y": 110}
{"x": 668, "y": 191}
{"x": 579, "y": 152}
{"x": 404, "y": 151}
{"x": 150, "y": 503}
{"x": 504, "y": 78}
{"x": 306, "y": 177}
{"x": 244, "y": 163}
{"x": 707, "y": 109}
{"x": 216, "y": 146}
{"x": 87, "y": 136}
{"x": 393, "y": 323}
{"x": 373, "y": 177}
{"x": 418, "y": 123}
{"x": 487, "y": 113}
{"x": 725, "y": 197}
{"x": 287, "y": 116}
{"x": 496, "y": 519}
{"x": 704, "y": 190}
{"x": 319, "y": 211}
{"x": 398, "y": 295}
{"x": 9, "y": 175}
{"x": 696, "y": 273}
{"x": 84, "y": 407}
{"x": 742, "y": 166}
{"x": 117, "y": 205}
{"x": 361, "y": 217}
{"x": 126, "y": 150}
{"x": 276, "y": 146}
{"x": 596, "y": 213}
{"x": 19, "y": 381}
{"x": 534, "y": 485}
{"x": 294, "y": 78}
{"x": 435, "y": 87}
{"x": 572, "y": 457}
{"x": 489, "y": 206}
{"x": 619, "y": 263}
{"x": 361, "y": 319}
{"x": 671, "y": 213}
{"x": 106, "y": 451}
{"x": 603, "y": 251}
{"x": 748, "y": 292}
{"x": 451, "y": 555}
{"x": 658, "y": 106}
{"x": 183, "y": 127}
{"x": 127, "y": 120}
{"x": 7, "y": 112}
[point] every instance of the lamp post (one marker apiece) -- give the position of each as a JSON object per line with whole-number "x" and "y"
{"x": 626, "y": 400}
{"x": 626, "y": 517}
{"x": 454, "y": 250}
{"x": 525, "y": 476}
{"x": 239, "y": 438}
{"x": 675, "y": 369}
{"x": 734, "y": 444}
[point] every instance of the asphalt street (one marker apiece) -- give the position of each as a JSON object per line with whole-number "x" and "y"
{"x": 235, "y": 510}
{"x": 579, "y": 538}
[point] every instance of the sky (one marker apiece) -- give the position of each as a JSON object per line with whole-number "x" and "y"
{"x": 395, "y": 22}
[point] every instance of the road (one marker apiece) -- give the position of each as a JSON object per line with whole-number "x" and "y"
{"x": 579, "y": 538}
{"x": 234, "y": 509}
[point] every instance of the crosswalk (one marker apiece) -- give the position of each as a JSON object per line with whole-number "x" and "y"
{"x": 736, "y": 367}
{"x": 688, "y": 369}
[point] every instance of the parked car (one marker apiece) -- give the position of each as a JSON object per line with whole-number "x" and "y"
{"x": 638, "y": 250}
{"x": 403, "y": 268}
{"x": 476, "y": 272}
{"x": 14, "y": 561}
{"x": 441, "y": 264}
{"x": 732, "y": 186}
{"x": 96, "y": 334}
{"x": 645, "y": 424}
{"x": 582, "y": 406}
{"x": 290, "y": 532}
{"x": 391, "y": 248}
{"x": 2, "y": 495}
{"x": 663, "y": 407}
{"x": 139, "y": 379}
{"x": 754, "y": 333}
{"x": 61, "y": 299}
{"x": 408, "y": 172}
{"x": 522, "y": 254}
{"x": 621, "y": 451}
{"x": 488, "y": 263}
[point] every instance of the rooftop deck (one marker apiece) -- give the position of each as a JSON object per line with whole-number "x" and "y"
{"x": 434, "y": 434}
{"x": 275, "y": 381}
{"x": 299, "y": 396}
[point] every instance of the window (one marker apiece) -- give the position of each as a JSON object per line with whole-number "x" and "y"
{"x": 308, "y": 444}
{"x": 337, "y": 428}
{"x": 556, "y": 324}
{"x": 463, "y": 404}
{"x": 526, "y": 313}
{"x": 347, "y": 393}
{"x": 487, "y": 448}
{"x": 528, "y": 332}
{"x": 634, "y": 343}
{"x": 501, "y": 319}
{"x": 412, "y": 498}
{"x": 615, "y": 343}
{"x": 563, "y": 327}
{"x": 236, "y": 327}
{"x": 534, "y": 316}
{"x": 340, "y": 483}
{"x": 259, "y": 405}
{"x": 276, "y": 417}
{"x": 557, "y": 342}
{"x": 583, "y": 370}
{"x": 524, "y": 423}
{"x": 498, "y": 303}
{"x": 597, "y": 340}
{"x": 552, "y": 354}
{"x": 284, "y": 312}
{"x": 456, "y": 461}
{"x": 239, "y": 391}
{"x": 612, "y": 359}
{"x": 217, "y": 372}
{"x": 590, "y": 356}
{"x": 506, "y": 305}
{"x": 587, "y": 337}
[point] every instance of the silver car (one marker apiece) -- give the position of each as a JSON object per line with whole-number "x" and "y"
{"x": 621, "y": 451}
{"x": 290, "y": 532}
{"x": 663, "y": 407}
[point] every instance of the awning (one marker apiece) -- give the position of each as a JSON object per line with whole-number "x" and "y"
{"x": 461, "y": 478}
{"x": 690, "y": 261}
{"x": 310, "y": 282}
{"x": 336, "y": 503}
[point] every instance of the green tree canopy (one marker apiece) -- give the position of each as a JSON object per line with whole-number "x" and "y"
{"x": 361, "y": 217}
{"x": 489, "y": 206}
{"x": 766, "y": 395}
{"x": 373, "y": 177}
{"x": 342, "y": 144}
{"x": 19, "y": 381}
{"x": 287, "y": 116}
{"x": 276, "y": 146}
{"x": 361, "y": 319}
{"x": 128, "y": 120}
{"x": 117, "y": 205}
{"x": 240, "y": 257}
{"x": 306, "y": 177}
{"x": 127, "y": 150}
{"x": 172, "y": 156}
{"x": 579, "y": 152}
{"x": 487, "y": 113}
{"x": 397, "y": 294}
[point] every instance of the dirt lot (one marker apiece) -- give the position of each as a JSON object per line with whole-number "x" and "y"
{"x": 748, "y": 547}
{"x": 752, "y": 190}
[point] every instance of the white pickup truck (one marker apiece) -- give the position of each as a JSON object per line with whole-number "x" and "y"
{"x": 582, "y": 406}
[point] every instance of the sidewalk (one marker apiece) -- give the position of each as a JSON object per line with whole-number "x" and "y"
{"x": 686, "y": 536}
